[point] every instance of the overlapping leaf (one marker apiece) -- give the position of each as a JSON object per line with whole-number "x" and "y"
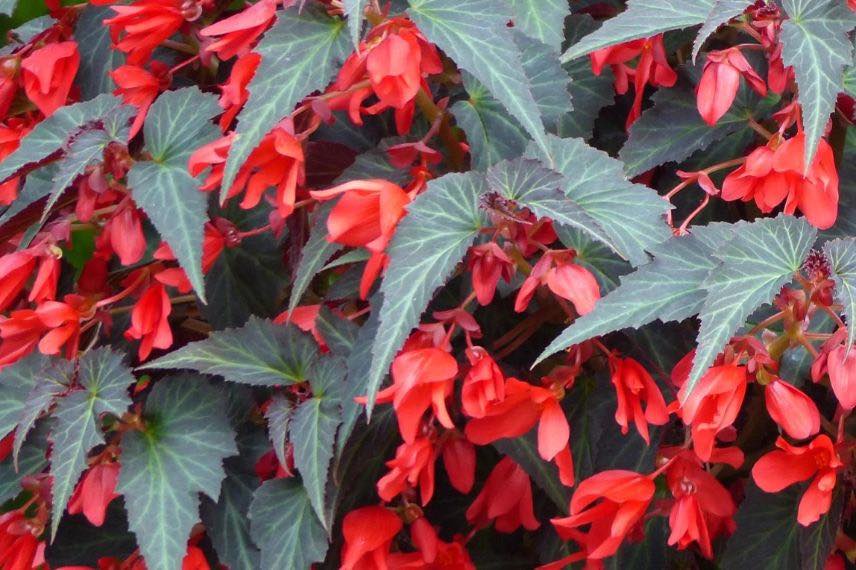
{"x": 164, "y": 468}
{"x": 643, "y": 19}
{"x": 755, "y": 264}
{"x": 630, "y": 214}
{"x": 177, "y": 122}
{"x": 531, "y": 185}
{"x": 669, "y": 289}
{"x": 841, "y": 254}
{"x": 543, "y": 20}
{"x": 313, "y": 434}
{"x": 104, "y": 380}
{"x": 284, "y": 526}
{"x": 475, "y": 34}
{"x": 720, "y": 13}
{"x": 354, "y": 11}
{"x": 814, "y": 41}
{"x": 260, "y": 353}
{"x": 300, "y": 54}
{"x": 16, "y": 383}
{"x": 97, "y": 56}
{"x": 440, "y": 225}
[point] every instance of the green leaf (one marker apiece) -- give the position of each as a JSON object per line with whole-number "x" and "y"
{"x": 339, "y": 333}
{"x": 97, "y": 56}
{"x": 317, "y": 251}
{"x": 589, "y": 92}
{"x": 52, "y": 380}
{"x": 53, "y": 133}
{"x": 550, "y": 82}
{"x": 278, "y": 415}
{"x": 359, "y": 364}
{"x": 850, "y": 81}
{"x": 7, "y": 7}
{"x": 312, "y": 431}
{"x": 282, "y": 523}
{"x": 104, "y": 379}
{"x": 814, "y": 41}
{"x": 31, "y": 460}
{"x": 841, "y": 254}
{"x": 354, "y": 11}
{"x": 770, "y": 537}
{"x": 248, "y": 279}
{"x": 524, "y": 451}
{"x": 721, "y": 12}
{"x": 440, "y": 226}
{"x": 177, "y": 122}
{"x": 672, "y": 129}
{"x": 669, "y": 289}
{"x": 164, "y": 468}
{"x": 299, "y": 55}
{"x": 543, "y": 20}
{"x": 604, "y": 263}
{"x": 475, "y": 35}
{"x": 491, "y": 133}
{"x": 527, "y": 182}
{"x": 16, "y": 383}
{"x": 37, "y": 186}
{"x": 630, "y": 214}
{"x": 260, "y": 353}
{"x": 643, "y": 19}
{"x": 755, "y": 264}
{"x": 227, "y": 521}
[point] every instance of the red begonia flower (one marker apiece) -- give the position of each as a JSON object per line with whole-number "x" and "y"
{"x": 20, "y": 547}
{"x": 488, "y": 263}
{"x": 713, "y": 405}
{"x": 140, "y": 87}
{"x": 124, "y": 232}
{"x": 234, "y": 93}
{"x": 368, "y": 534}
{"x": 367, "y": 213}
{"x": 20, "y": 333}
{"x": 94, "y": 492}
{"x": 524, "y": 405}
{"x": 841, "y": 367}
{"x": 703, "y": 508}
{"x": 459, "y": 459}
{"x": 483, "y": 385}
{"x": 506, "y": 498}
{"x": 149, "y": 322}
{"x": 137, "y": 29}
{"x": 413, "y": 466}
{"x": 238, "y": 33}
{"x": 720, "y": 82}
{"x": 48, "y": 74}
{"x": 775, "y": 174}
{"x": 622, "y": 498}
{"x": 789, "y": 407}
{"x": 564, "y": 278}
{"x": 446, "y": 556}
{"x": 64, "y": 321}
{"x": 633, "y": 388}
{"x": 818, "y": 461}
{"x": 8, "y": 84}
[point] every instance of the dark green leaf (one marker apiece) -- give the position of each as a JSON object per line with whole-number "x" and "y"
{"x": 317, "y": 251}
{"x": 313, "y": 432}
{"x": 31, "y": 460}
{"x": 104, "y": 379}
{"x": 97, "y": 56}
{"x": 605, "y": 264}
{"x": 768, "y": 531}
{"x": 630, "y": 214}
{"x": 37, "y": 186}
{"x": 814, "y": 41}
{"x": 550, "y": 82}
{"x": 440, "y": 225}
{"x": 16, "y": 383}
{"x": 284, "y": 526}
{"x": 164, "y": 468}
{"x": 669, "y": 289}
{"x": 50, "y": 135}
{"x": 541, "y": 19}
{"x": 474, "y": 33}
{"x": 354, "y": 11}
{"x": 841, "y": 254}
{"x": 527, "y": 182}
{"x": 299, "y": 56}
{"x": 643, "y": 19}
{"x": 756, "y": 263}
{"x": 721, "y": 13}
{"x": 260, "y": 353}
{"x": 278, "y": 415}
